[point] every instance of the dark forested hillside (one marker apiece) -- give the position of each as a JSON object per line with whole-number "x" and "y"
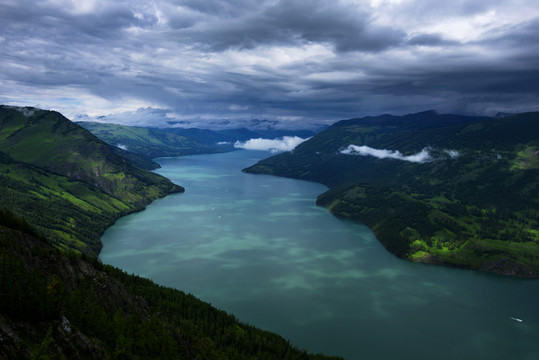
{"x": 56, "y": 305}
{"x": 447, "y": 189}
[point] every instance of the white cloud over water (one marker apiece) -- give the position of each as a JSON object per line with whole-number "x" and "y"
{"x": 420, "y": 157}
{"x": 286, "y": 143}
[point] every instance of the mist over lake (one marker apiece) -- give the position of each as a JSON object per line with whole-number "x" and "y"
{"x": 258, "y": 247}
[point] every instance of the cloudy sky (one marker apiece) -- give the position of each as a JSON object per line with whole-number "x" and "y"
{"x": 300, "y": 62}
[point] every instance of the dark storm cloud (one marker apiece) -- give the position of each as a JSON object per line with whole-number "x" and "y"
{"x": 56, "y": 23}
{"x": 523, "y": 36}
{"x": 430, "y": 40}
{"x": 224, "y": 63}
{"x": 222, "y": 8}
{"x": 296, "y": 23}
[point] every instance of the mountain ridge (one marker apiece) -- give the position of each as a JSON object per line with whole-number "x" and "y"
{"x": 472, "y": 204}
{"x": 65, "y": 181}
{"x": 162, "y": 142}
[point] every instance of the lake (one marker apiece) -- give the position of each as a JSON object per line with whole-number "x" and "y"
{"x": 257, "y": 246}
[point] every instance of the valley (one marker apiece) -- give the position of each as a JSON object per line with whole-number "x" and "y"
{"x": 61, "y": 187}
{"x": 269, "y": 180}
{"x": 437, "y": 189}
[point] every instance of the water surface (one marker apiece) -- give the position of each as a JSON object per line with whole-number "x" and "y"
{"x": 258, "y": 247}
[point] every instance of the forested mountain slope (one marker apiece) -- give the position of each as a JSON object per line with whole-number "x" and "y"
{"x": 446, "y": 189}
{"x": 64, "y": 181}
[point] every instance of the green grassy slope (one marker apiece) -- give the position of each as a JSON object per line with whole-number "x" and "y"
{"x": 71, "y": 213}
{"x": 65, "y": 181}
{"x": 476, "y": 210}
{"x": 150, "y": 142}
{"x": 50, "y": 141}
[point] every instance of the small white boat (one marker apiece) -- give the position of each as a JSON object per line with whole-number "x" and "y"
{"x": 516, "y": 319}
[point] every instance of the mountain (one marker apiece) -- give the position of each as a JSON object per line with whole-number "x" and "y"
{"x": 445, "y": 189}
{"x": 230, "y": 136}
{"x": 204, "y": 136}
{"x": 243, "y": 134}
{"x": 67, "y": 183}
{"x": 151, "y": 143}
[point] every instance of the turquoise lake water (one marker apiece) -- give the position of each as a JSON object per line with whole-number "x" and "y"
{"x": 257, "y": 246}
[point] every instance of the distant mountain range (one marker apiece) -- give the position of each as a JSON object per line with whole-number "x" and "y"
{"x": 153, "y": 142}
{"x": 445, "y": 189}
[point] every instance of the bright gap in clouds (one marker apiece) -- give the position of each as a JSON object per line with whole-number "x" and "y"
{"x": 286, "y": 143}
{"x": 420, "y": 157}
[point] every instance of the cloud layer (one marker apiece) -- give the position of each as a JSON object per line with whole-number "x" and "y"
{"x": 286, "y": 143}
{"x": 420, "y": 157}
{"x": 295, "y": 62}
